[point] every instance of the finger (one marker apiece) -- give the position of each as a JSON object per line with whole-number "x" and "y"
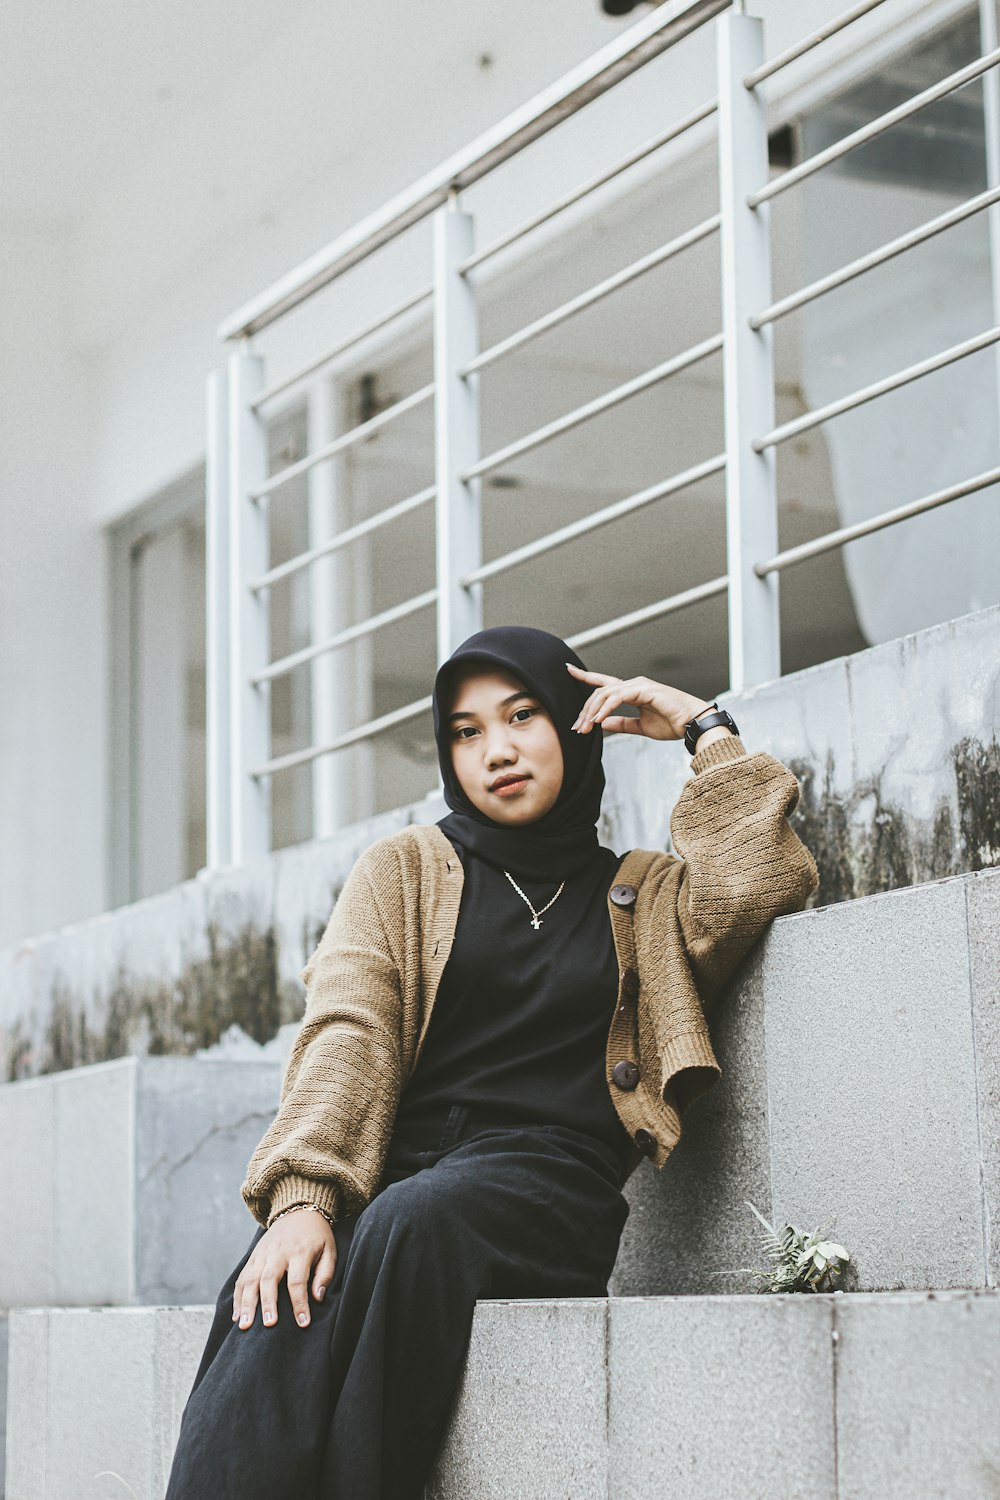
{"x": 579, "y": 672}
{"x": 622, "y": 724}
{"x": 248, "y": 1304}
{"x": 600, "y": 703}
{"x": 596, "y": 697}
{"x": 325, "y": 1267}
{"x": 298, "y": 1289}
{"x": 238, "y": 1295}
{"x": 635, "y": 691}
{"x": 269, "y": 1296}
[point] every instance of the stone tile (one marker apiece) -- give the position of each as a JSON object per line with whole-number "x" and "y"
{"x": 101, "y": 1394}
{"x": 198, "y": 1123}
{"x": 92, "y": 1185}
{"x": 27, "y": 1405}
{"x": 811, "y": 726}
{"x": 643, "y": 779}
{"x": 983, "y": 895}
{"x": 529, "y": 1421}
{"x": 688, "y": 1227}
{"x": 732, "y": 1398}
{"x": 28, "y": 1243}
{"x": 180, "y": 1334}
{"x": 4, "y": 1336}
{"x": 918, "y": 1396}
{"x": 915, "y": 808}
{"x": 871, "y": 1080}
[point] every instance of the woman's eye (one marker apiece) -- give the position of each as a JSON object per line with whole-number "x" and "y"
{"x": 525, "y": 711}
{"x": 460, "y": 734}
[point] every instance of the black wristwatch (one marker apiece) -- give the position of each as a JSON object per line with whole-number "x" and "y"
{"x": 707, "y": 719}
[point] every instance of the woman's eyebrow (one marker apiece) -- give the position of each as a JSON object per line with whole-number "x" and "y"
{"x": 466, "y": 713}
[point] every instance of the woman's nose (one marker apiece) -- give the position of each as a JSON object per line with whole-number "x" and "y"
{"x": 498, "y": 746}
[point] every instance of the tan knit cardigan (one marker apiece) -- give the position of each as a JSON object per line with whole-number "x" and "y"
{"x": 371, "y": 983}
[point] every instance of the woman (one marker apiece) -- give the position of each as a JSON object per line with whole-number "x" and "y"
{"x": 413, "y": 1168}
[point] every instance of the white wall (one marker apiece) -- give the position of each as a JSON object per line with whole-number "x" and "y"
{"x": 53, "y": 647}
{"x": 277, "y": 140}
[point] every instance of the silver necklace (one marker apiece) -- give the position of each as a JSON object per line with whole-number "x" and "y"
{"x": 536, "y": 916}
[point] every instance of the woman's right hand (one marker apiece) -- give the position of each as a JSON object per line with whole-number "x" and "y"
{"x": 295, "y": 1244}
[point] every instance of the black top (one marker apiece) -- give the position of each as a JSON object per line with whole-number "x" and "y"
{"x": 520, "y": 1022}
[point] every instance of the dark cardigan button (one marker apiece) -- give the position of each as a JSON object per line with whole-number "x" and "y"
{"x": 625, "y": 1073}
{"x": 623, "y": 895}
{"x": 630, "y": 983}
{"x": 646, "y": 1142}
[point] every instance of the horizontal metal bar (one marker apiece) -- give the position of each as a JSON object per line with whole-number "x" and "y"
{"x": 624, "y": 54}
{"x": 363, "y": 732}
{"x": 577, "y": 194}
{"x": 343, "y": 637}
{"x": 594, "y": 294}
{"x": 875, "y": 258}
{"x": 799, "y": 49}
{"x": 594, "y": 408}
{"x": 880, "y": 388}
{"x": 343, "y": 539}
{"x": 651, "y": 612}
{"x": 874, "y": 128}
{"x": 375, "y": 326}
{"x": 595, "y": 519}
{"x": 834, "y": 539}
{"x": 346, "y": 440}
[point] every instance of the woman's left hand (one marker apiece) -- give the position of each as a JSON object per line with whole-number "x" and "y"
{"x": 664, "y": 711}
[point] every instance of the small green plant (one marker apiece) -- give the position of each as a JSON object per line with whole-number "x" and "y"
{"x": 800, "y": 1262}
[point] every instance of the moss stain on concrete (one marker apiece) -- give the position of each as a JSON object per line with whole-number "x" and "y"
{"x": 236, "y": 981}
{"x": 863, "y": 843}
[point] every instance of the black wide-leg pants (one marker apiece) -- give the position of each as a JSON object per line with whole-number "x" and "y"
{"x": 355, "y": 1405}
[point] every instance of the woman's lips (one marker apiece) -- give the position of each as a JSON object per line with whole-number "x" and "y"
{"x": 510, "y": 786}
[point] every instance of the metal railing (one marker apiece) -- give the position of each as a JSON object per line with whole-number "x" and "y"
{"x": 241, "y": 764}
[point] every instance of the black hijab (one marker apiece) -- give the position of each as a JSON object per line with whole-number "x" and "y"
{"x": 563, "y": 840}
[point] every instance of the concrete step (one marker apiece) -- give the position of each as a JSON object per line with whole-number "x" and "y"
{"x": 863, "y": 1396}
{"x": 860, "y": 1048}
{"x": 126, "y": 1179}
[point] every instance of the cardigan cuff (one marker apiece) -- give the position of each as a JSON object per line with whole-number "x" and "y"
{"x": 293, "y": 1189}
{"x": 690, "y": 1068}
{"x": 729, "y": 747}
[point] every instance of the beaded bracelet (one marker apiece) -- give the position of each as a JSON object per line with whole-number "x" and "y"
{"x": 293, "y": 1206}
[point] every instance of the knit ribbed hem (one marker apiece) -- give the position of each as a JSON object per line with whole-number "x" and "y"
{"x": 729, "y": 747}
{"x": 691, "y": 1049}
{"x": 293, "y": 1189}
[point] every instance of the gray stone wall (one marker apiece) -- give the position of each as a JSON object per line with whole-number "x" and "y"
{"x": 877, "y": 1396}
{"x": 895, "y": 750}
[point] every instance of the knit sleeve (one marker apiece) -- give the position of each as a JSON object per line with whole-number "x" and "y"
{"x": 743, "y": 863}
{"x": 341, "y": 1086}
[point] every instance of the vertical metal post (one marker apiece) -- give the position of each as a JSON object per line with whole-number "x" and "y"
{"x": 331, "y": 599}
{"x": 991, "y": 130}
{"x": 748, "y": 357}
{"x": 249, "y": 637}
{"x": 456, "y": 432}
{"x": 217, "y": 688}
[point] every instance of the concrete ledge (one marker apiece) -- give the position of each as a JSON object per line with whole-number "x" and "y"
{"x": 124, "y": 1178}
{"x": 891, "y": 796}
{"x": 4, "y": 1331}
{"x": 715, "y": 1398}
{"x": 860, "y": 1048}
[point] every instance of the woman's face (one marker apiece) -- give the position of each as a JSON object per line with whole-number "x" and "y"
{"x": 500, "y": 731}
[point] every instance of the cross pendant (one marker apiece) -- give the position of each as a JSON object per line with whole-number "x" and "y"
{"x": 536, "y": 922}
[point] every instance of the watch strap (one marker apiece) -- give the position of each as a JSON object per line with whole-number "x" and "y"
{"x": 707, "y": 719}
